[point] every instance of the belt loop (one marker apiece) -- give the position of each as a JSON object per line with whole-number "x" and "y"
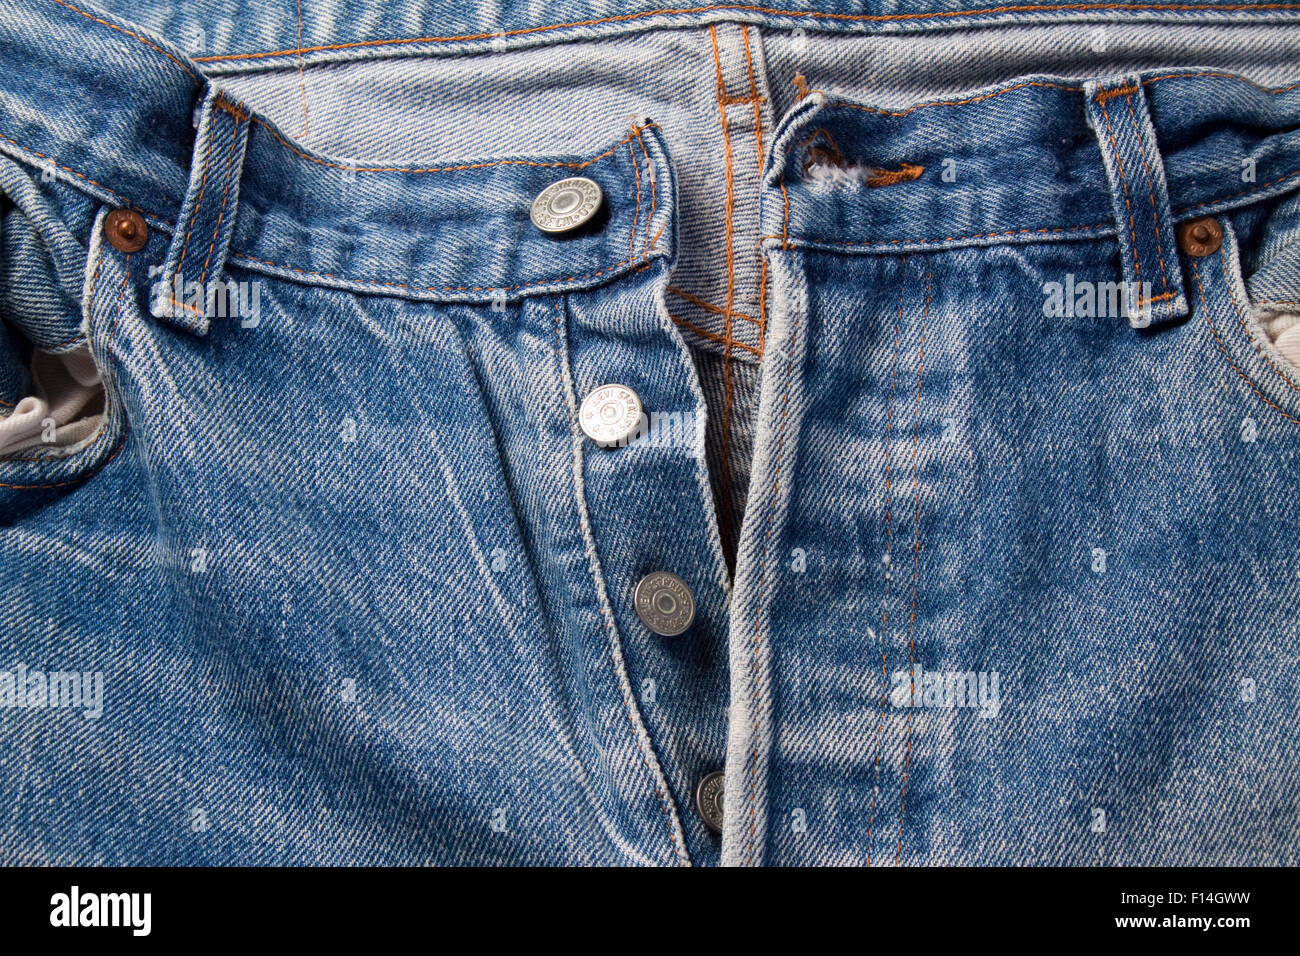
{"x": 191, "y": 289}
{"x": 1152, "y": 270}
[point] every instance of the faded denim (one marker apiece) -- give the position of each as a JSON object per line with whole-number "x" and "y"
{"x": 986, "y": 572}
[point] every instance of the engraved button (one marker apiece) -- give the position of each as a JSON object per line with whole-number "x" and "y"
{"x": 611, "y": 415}
{"x": 664, "y": 603}
{"x": 1200, "y": 237}
{"x": 126, "y": 230}
{"x": 708, "y": 800}
{"x": 566, "y": 205}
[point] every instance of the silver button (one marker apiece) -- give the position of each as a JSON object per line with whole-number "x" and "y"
{"x": 566, "y": 205}
{"x": 611, "y": 415}
{"x": 664, "y": 603}
{"x": 708, "y": 800}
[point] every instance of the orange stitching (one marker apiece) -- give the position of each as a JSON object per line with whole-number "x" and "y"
{"x": 1241, "y": 317}
{"x": 1157, "y": 298}
{"x": 1200, "y": 287}
{"x": 1104, "y": 95}
{"x": 713, "y": 336}
{"x": 114, "y": 26}
{"x": 708, "y": 306}
{"x": 916, "y": 568}
{"x": 222, "y": 103}
{"x": 1224, "y": 76}
{"x": 889, "y": 539}
{"x": 1123, "y": 181}
{"x": 221, "y": 215}
{"x": 891, "y": 177}
{"x": 758, "y": 143}
{"x": 1151, "y": 191}
{"x": 843, "y": 17}
{"x": 636, "y": 131}
{"x": 678, "y": 849}
{"x": 185, "y": 305}
{"x": 198, "y": 204}
{"x": 1263, "y": 302}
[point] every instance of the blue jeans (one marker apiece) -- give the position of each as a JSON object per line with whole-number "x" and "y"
{"x": 969, "y": 426}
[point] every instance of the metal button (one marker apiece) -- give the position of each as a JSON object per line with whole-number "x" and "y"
{"x": 126, "y": 230}
{"x": 566, "y": 205}
{"x": 708, "y": 800}
{"x": 611, "y": 415}
{"x": 664, "y": 603}
{"x": 1200, "y": 237}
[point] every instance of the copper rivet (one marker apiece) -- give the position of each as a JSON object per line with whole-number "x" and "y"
{"x": 1200, "y": 237}
{"x": 126, "y": 230}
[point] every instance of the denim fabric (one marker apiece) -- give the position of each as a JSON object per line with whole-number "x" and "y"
{"x": 982, "y": 482}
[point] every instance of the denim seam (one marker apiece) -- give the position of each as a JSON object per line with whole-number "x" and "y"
{"x": 1103, "y": 97}
{"x": 1096, "y": 231}
{"x": 636, "y": 208}
{"x": 1250, "y": 383}
{"x": 757, "y": 643}
{"x": 727, "y": 515}
{"x": 713, "y": 336}
{"x": 650, "y": 171}
{"x": 460, "y": 167}
{"x": 916, "y": 568}
{"x": 969, "y": 15}
{"x": 1241, "y": 318}
{"x": 640, "y": 735}
{"x": 225, "y": 198}
{"x": 708, "y": 306}
{"x": 1151, "y": 192}
{"x": 198, "y": 205}
{"x": 889, "y": 540}
{"x": 834, "y": 101}
{"x": 135, "y": 36}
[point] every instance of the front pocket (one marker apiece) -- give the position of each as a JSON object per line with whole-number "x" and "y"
{"x": 1220, "y": 300}
{"x": 90, "y": 428}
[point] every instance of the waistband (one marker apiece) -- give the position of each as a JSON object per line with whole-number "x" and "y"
{"x": 346, "y": 29}
{"x": 130, "y": 119}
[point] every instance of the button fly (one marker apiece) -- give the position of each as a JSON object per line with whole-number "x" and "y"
{"x": 566, "y": 205}
{"x": 664, "y": 603}
{"x": 611, "y": 415}
{"x": 708, "y": 800}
